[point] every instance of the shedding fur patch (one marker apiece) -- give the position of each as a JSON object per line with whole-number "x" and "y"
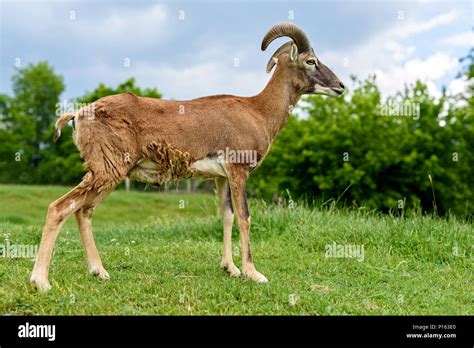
{"x": 169, "y": 164}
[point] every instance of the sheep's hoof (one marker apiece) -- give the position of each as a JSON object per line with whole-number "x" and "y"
{"x": 231, "y": 269}
{"x": 42, "y": 285}
{"x": 256, "y": 277}
{"x": 100, "y": 272}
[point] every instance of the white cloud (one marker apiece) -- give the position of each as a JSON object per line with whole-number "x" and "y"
{"x": 210, "y": 70}
{"x": 459, "y": 39}
{"x": 392, "y": 60}
{"x": 410, "y": 27}
{"x": 198, "y": 79}
{"x": 426, "y": 70}
{"x": 201, "y": 79}
{"x": 399, "y": 51}
{"x": 127, "y": 27}
{"x": 458, "y": 86}
{"x": 119, "y": 26}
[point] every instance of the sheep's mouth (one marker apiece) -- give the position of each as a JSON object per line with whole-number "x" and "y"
{"x": 338, "y": 91}
{"x": 329, "y": 91}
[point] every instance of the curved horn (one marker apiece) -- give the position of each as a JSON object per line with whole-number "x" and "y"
{"x": 285, "y": 47}
{"x": 290, "y": 30}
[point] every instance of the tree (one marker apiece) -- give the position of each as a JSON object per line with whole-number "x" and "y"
{"x": 351, "y": 151}
{"x": 128, "y": 86}
{"x": 26, "y": 121}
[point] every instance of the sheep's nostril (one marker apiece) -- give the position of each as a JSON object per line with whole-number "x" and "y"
{"x": 341, "y": 85}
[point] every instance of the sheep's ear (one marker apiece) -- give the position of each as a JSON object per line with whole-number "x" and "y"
{"x": 293, "y": 53}
{"x": 271, "y": 63}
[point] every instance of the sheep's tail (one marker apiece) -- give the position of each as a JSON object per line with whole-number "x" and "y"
{"x": 60, "y": 124}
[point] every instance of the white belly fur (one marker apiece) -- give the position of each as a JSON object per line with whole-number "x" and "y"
{"x": 149, "y": 171}
{"x": 208, "y": 167}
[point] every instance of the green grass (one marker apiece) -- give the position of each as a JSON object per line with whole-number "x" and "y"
{"x": 165, "y": 260}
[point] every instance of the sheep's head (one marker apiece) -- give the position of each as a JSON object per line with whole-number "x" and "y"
{"x": 309, "y": 75}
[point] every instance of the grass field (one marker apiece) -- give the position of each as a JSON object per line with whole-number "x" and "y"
{"x": 164, "y": 259}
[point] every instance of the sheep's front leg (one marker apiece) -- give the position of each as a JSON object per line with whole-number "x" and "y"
{"x": 227, "y": 213}
{"x": 237, "y": 181}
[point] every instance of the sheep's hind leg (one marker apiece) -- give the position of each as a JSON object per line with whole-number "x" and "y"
{"x": 58, "y": 212}
{"x": 81, "y": 196}
{"x": 84, "y": 222}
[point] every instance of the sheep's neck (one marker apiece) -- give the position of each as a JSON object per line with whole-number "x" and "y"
{"x": 277, "y": 99}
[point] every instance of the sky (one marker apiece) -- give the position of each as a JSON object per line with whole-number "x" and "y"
{"x": 188, "y": 49}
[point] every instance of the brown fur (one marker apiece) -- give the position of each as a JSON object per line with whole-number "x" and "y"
{"x": 116, "y": 134}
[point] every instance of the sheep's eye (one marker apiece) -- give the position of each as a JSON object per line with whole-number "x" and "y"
{"x": 311, "y": 62}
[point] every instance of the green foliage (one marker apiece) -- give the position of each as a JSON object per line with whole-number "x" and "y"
{"x": 347, "y": 151}
{"x": 26, "y": 123}
{"x": 343, "y": 150}
{"x": 127, "y": 86}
